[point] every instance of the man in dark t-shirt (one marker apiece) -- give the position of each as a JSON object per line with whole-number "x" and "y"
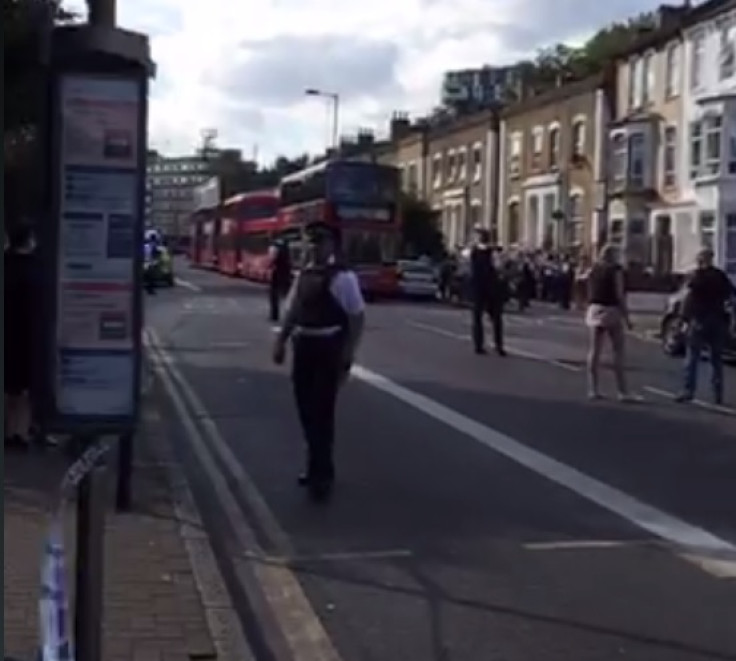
{"x": 704, "y": 312}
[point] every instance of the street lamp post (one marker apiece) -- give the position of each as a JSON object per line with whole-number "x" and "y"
{"x": 334, "y": 99}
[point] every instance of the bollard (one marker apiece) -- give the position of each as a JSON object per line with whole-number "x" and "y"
{"x": 89, "y": 566}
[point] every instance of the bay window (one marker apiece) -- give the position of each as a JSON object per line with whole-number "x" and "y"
{"x": 706, "y": 137}
{"x": 636, "y": 160}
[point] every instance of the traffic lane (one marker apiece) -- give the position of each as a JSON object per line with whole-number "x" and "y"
{"x": 565, "y": 340}
{"x": 484, "y": 576}
{"x": 678, "y": 459}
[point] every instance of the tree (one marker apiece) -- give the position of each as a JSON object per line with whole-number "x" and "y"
{"x": 419, "y": 232}
{"x": 560, "y": 63}
{"x": 27, "y": 25}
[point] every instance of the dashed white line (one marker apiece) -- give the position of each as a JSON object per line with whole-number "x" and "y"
{"x": 683, "y": 535}
{"x": 187, "y": 285}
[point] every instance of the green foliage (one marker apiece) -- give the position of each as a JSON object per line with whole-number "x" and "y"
{"x": 559, "y": 63}
{"x": 420, "y": 234}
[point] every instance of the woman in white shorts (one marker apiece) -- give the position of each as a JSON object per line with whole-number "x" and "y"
{"x": 607, "y": 317}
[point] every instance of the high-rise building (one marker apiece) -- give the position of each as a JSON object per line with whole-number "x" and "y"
{"x": 477, "y": 89}
{"x": 170, "y": 185}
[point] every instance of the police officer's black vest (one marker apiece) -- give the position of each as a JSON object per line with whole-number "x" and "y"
{"x": 315, "y": 306}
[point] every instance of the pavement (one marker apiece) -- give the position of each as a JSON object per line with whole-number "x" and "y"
{"x": 152, "y": 607}
{"x": 484, "y": 510}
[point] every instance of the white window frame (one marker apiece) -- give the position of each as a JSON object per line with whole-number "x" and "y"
{"x": 462, "y": 163}
{"x": 619, "y": 158}
{"x": 648, "y": 75}
{"x": 554, "y": 156}
{"x": 669, "y": 156}
{"x": 437, "y": 170}
{"x": 451, "y": 165}
{"x": 638, "y": 83}
{"x": 631, "y": 92}
{"x": 695, "y": 144}
{"x": 477, "y": 161}
{"x": 697, "y": 60}
{"x": 516, "y": 148}
{"x": 576, "y": 221}
{"x": 729, "y": 258}
{"x": 537, "y": 147}
{"x": 707, "y": 229}
{"x": 711, "y": 161}
{"x": 617, "y": 238}
{"x": 637, "y": 139}
{"x": 727, "y": 47}
{"x": 731, "y": 148}
{"x": 579, "y": 127}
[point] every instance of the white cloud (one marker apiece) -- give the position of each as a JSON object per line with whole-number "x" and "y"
{"x": 241, "y": 67}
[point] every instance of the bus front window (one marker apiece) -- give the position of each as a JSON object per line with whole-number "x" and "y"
{"x": 365, "y": 247}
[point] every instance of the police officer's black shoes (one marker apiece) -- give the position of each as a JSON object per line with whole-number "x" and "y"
{"x": 320, "y": 489}
{"x": 501, "y": 352}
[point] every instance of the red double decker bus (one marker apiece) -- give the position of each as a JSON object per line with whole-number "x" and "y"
{"x": 360, "y": 200}
{"x": 242, "y": 218}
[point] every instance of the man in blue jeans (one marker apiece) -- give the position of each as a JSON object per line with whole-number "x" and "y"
{"x": 704, "y": 312}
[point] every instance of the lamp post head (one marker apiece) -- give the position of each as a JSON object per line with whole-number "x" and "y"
{"x": 312, "y": 92}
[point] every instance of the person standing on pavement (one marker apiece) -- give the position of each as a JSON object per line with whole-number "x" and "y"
{"x": 704, "y": 311}
{"x": 607, "y": 316}
{"x": 487, "y": 293}
{"x": 21, "y": 295}
{"x": 324, "y": 316}
{"x": 280, "y": 278}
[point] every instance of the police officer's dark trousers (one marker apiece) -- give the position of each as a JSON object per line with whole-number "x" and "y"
{"x": 276, "y": 288}
{"x": 491, "y": 306}
{"x": 316, "y": 374}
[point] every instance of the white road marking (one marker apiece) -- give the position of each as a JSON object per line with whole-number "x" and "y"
{"x": 333, "y": 557}
{"x": 188, "y": 285}
{"x": 667, "y": 527}
{"x": 668, "y": 394}
{"x": 512, "y": 349}
{"x": 581, "y": 544}
{"x": 302, "y": 629}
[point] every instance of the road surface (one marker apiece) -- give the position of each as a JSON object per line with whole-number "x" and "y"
{"x": 484, "y": 510}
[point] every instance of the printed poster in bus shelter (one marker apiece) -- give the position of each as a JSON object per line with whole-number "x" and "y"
{"x": 97, "y": 252}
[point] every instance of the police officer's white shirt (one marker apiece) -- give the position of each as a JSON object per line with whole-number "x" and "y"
{"x": 345, "y": 289}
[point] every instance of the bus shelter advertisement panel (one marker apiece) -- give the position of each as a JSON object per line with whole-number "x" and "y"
{"x": 95, "y": 347}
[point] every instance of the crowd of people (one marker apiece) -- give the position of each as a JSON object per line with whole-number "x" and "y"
{"x": 491, "y": 278}
{"x": 525, "y": 275}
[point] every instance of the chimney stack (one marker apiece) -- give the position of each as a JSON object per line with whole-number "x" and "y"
{"x": 400, "y": 126}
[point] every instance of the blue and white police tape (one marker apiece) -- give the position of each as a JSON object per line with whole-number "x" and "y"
{"x": 53, "y": 603}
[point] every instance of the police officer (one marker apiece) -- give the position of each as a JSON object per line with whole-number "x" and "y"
{"x": 323, "y": 317}
{"x": 487, "y": 293}
{"x": 280, "y": 279}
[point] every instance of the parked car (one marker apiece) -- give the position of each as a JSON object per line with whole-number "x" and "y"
{"x": 672, "y": 326}
{"x": 417, "y": 279}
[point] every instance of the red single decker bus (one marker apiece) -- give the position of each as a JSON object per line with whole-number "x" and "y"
{"x": 360, "y": 201}
{"x": 242, "y": 217}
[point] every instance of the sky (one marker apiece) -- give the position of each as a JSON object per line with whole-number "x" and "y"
{"x": 242, "y": 67}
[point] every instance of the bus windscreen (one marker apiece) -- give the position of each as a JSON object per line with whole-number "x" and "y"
{"x": 363, "y": 184}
